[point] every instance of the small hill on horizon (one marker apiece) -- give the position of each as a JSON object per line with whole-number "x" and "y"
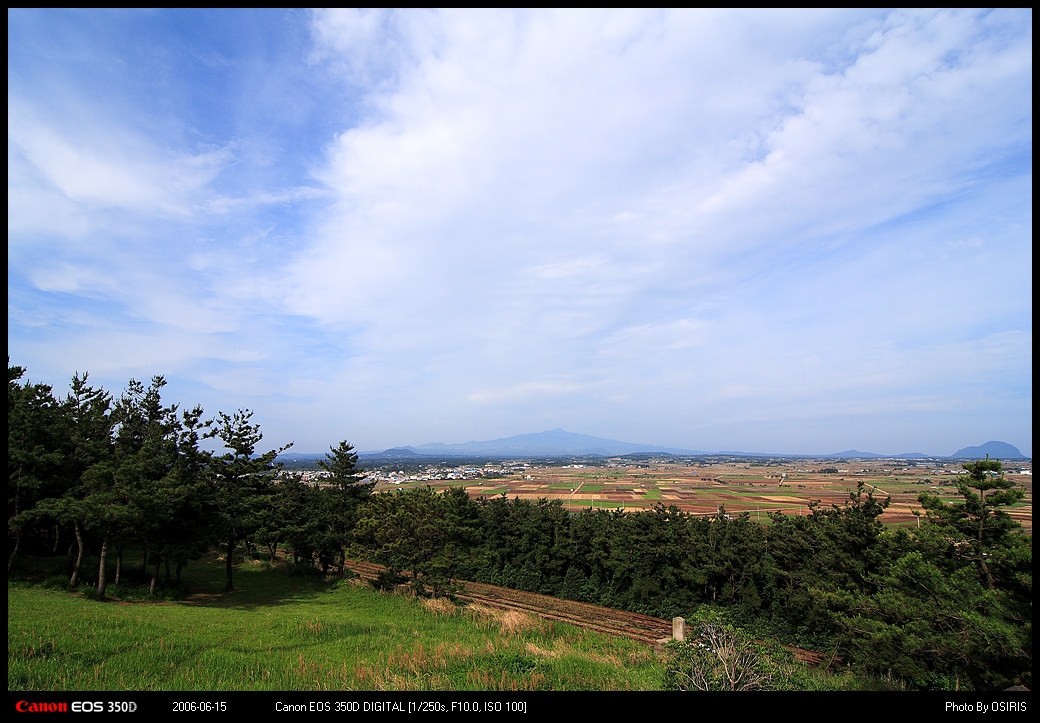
{"x": 995, "y": 450}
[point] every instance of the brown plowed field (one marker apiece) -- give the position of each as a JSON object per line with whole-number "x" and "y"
{"x": 641, "y": 628}
{"x": 755, "y": 488}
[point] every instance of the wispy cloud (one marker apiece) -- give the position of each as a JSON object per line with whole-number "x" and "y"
{"x": 682, "y": 227}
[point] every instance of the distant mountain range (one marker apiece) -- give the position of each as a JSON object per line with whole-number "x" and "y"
{"x": 559, "y": 443}
{"x": 995, "y": 450}
{"x": 555, "y": 443}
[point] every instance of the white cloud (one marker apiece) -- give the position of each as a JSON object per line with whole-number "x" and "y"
{"x": 110, "y": 166}
{"x": 613, "y": 217}
{"x": 524, "y": 392}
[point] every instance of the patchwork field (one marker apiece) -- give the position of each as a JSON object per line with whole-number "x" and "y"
{"x": 758, "y": 488}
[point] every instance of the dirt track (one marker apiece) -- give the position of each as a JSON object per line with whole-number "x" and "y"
{"x": 641, "y": 628}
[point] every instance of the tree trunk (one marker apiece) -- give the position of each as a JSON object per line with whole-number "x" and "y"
{"x": 102, "y": 583}
{"x": 69, "y": 557}
{"x": 119, "y": 565}
{"x": 79, "y": 556}
{"x": 155, "y": 576}
{"x": 14, "y": 552}
{"x": 985, "y": 569}
{"x": 230, "y": 557}
{"x": 982, "y": 556}
{"x": 18, "y": 530}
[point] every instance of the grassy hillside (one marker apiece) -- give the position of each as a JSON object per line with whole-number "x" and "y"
{"x": 280, "y": 631}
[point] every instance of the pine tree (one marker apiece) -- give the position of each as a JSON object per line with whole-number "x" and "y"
{"x": 34, "y": 453}
{"x": 242, "y": 483}
{"x": 340, "y": 498}
{"x": 981, "y": 520}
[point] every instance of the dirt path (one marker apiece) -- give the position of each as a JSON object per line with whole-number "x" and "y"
{"x": 574, "y": 491}
{"x": 644, "y": 629}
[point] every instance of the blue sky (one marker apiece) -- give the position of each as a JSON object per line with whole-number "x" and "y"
{"x": 769, "y": 231}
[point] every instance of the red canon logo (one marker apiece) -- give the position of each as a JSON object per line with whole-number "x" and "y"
{"x": 27, "y": 706}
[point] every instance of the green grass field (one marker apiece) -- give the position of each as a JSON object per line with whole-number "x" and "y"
{"x": 280, "y": 631}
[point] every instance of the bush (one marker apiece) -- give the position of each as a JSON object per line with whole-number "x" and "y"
{"x": 719, "y": 657}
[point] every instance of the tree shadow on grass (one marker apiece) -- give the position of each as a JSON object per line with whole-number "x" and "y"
{"x": 257, "y": 584}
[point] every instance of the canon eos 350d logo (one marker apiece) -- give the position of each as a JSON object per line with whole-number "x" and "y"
{"x": 76, "y": 706}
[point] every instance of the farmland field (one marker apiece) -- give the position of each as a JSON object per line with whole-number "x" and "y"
{"x": 758, "y": 488}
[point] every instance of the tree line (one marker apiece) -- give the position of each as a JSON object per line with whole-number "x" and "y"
{"x": 946, "y": 604}
{"x": 91, "y": 470}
